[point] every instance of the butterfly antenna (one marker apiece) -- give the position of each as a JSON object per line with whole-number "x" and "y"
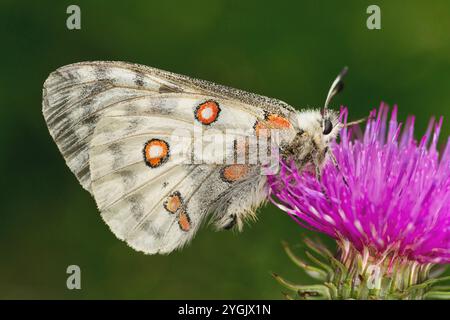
{"x": 336, "y": 87}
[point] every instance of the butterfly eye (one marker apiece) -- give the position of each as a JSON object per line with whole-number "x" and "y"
{"x": 327, "y": 126}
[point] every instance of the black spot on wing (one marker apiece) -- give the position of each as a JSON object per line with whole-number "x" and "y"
{"x": 139, "y": 79}
{"x": 137, "y": 209}
{"x": 117, "y": 155}
{"x": 101, "y": 72}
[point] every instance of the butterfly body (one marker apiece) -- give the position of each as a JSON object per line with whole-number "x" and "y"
{"x": 147, "y": 144}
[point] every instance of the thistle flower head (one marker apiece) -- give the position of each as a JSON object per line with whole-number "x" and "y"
{"x": 389, "y": 195}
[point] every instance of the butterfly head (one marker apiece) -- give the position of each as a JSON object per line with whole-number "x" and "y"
{"x": 315, "y": 130}
{"x": 321, "y": 128}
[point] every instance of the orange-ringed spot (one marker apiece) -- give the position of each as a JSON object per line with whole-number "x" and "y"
{"x": 207, "y": 112}
{"x": 272, "y": 121}
{"x": 184, "y": 221}
{"x": 278, "y": 122}
{"x": 173, "y": 202}
{"x": 156, "y": 152}
{"x": 234, "y": 172}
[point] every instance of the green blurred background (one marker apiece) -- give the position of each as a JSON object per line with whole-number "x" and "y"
{"x": 289, "y": 50}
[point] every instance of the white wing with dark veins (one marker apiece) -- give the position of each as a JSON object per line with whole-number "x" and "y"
{"x": 114, "y": 123}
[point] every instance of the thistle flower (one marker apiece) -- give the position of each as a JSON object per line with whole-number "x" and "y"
{"x": 387, "y": 203}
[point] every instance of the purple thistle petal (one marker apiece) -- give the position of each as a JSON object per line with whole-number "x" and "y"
{"x": 397, "y": 196}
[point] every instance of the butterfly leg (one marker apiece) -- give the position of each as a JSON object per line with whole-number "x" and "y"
{"x": 317, "y": 166}
{"x": 336, "y": 165}
{"x": 318, "y": 171}
{"x": 227, "y": 222}
{"x": 232, "y": 220}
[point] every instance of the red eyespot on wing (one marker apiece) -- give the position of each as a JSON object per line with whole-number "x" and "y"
{"x": 156, "y": 152}
{"x": 278, "y": 122}
{"x": 234, "y": 172}
{"x": 272, "y": 121}
{"x": 184, "y": 221}
{"x": 173, "y": 202}
{"x": 207, "y": 112}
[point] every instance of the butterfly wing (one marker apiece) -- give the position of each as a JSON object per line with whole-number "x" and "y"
{"x": 114, "y": 123}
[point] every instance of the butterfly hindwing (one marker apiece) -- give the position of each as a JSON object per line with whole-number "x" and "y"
{"x": 155, "y": 207}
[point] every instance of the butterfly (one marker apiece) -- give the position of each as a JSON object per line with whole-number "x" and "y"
{"x": 127, "y": 132}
